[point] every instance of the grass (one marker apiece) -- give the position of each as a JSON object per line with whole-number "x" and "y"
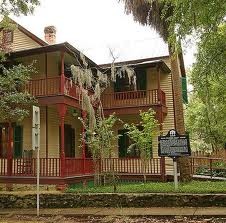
{"x": 195, "y": 187}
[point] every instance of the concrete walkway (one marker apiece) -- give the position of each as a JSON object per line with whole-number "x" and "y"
{"x": 155, "y": 211}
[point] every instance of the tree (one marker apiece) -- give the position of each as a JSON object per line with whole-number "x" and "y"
{"x": 100, "y": 141}
{"x": 14, "y": 101}
{"x": 175, "y": 20}
{"x": 142, "y": 136}
{"x": 18, "y": 7}
{"x": 92, "y": 82}
{"x": 158, "y": 14}
{"x": 205, "y": 115}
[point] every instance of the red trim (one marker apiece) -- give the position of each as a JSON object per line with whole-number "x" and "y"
{"x": 62, "y": 79}
{"x": 62, "y": 108}
{"x": 47, "y": 135}
{"x": 10, "y": 150}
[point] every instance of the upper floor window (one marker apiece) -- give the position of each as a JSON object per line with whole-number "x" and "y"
{"x": 122, "y": 84}
{"x": 7, "y": 36}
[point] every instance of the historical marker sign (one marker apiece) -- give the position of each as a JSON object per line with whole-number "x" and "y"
{"x": 174, "y": 145}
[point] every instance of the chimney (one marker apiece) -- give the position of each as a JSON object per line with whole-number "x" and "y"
{"x": 50, "y": 34}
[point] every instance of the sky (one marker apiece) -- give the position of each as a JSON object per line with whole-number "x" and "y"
{"x": 95, "y": 26}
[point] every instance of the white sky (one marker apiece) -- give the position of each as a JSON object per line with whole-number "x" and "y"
{"x": 94, "y": 26}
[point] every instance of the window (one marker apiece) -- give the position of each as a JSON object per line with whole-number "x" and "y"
{"x": 184, "y": 90}
{"x": 7, "y": 36}
{"x": 123, "y": 143}
{"x": 17, "y": 140}
{"x": 122, "y": 84}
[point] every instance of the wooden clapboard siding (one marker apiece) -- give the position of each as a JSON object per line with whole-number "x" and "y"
{"x": 53, "y": 132}
{"x": 168, "y": 123}
{"x": 152, "y": 79}
{"x": 53, "y": 61}
{"x": 27, "y": 131}
{"x": 26, "y": 123}
{"x": 21, "y": 41}
{"x": 42, "y": 132}
{"x": 38, "y": 62}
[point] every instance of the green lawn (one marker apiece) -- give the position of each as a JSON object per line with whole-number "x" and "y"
{"x": 153, "y": 187}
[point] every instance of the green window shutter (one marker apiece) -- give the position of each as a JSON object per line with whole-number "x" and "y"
{"x": 184, "y": 90}
{"x": 122, "y": 147}
{"x": 18, "y": 141}
{"x": 72, "y": 142}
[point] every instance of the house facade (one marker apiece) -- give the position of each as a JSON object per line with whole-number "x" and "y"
{"x": 63, "y": 157}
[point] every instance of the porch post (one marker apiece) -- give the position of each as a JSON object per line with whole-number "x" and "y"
{"x": 62, "y": 108}
{"x": 84, "y": 114}
{"x": 10, "y": 150}
{"x": 62, "y": 77}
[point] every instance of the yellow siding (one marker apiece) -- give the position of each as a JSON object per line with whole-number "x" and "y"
{"x": 53, "y": 132}
{"x": 22, "y": 41}
{"x": 152, "y": 79}
{"x": 168, "y": 123}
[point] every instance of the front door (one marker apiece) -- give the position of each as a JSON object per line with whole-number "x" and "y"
{"x": 69, "y": 140}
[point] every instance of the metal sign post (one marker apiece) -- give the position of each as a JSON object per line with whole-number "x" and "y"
{"x": 36, "y": 145}
{"x": 175, "y": 173}
{"x": 174, "y": 145}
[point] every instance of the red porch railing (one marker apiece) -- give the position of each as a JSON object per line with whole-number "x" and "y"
{"x": 44, "y": 87}
{"x": 133, "y": 98}
{"x": 52, "y": 86}
{"x": 131, "y": 166}
{"x": 76, "y": 166}
{"x": 50, "y": 167}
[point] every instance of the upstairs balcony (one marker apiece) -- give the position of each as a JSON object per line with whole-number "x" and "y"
{"x": 119, "y": 101}
{"x": 53, "y": 90}
{"x": 52, "y": 86}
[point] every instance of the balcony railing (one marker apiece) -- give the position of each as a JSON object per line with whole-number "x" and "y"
{"x": 51, "y": 86}
{"x": 133, "y": 99}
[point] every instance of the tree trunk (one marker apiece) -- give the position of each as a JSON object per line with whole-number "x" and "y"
{"x": 184, "y": 162}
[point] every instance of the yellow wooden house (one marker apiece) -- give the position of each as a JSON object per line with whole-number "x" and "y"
{"x": 62, "y": 159}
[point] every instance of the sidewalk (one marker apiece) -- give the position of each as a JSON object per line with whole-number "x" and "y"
{"x": 155, "y": 211}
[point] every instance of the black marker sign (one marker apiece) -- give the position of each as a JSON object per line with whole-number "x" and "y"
{"x": 173, "y": 145}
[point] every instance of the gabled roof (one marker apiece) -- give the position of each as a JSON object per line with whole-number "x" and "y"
{"x": 66, "y": 47}
{"x": 29, "y": 34}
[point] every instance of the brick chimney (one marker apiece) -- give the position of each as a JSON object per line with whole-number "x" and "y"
{"x": 50, "y": 34}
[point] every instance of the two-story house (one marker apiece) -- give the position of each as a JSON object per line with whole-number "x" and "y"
{"x": 62, "y": 159}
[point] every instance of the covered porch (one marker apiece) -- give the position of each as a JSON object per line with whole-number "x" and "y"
{"x": 72, "y": 170}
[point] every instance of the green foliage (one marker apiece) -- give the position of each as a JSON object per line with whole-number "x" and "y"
{"x": 14, "y": 102}
{"x": 193, "y": 17}
{"x": 153, "y": 187}
{"x": 143, "y": 134}
{"x": 205, "y": 115}
{"x": 101, "y": 139}
{"x": 18, "y": 7}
